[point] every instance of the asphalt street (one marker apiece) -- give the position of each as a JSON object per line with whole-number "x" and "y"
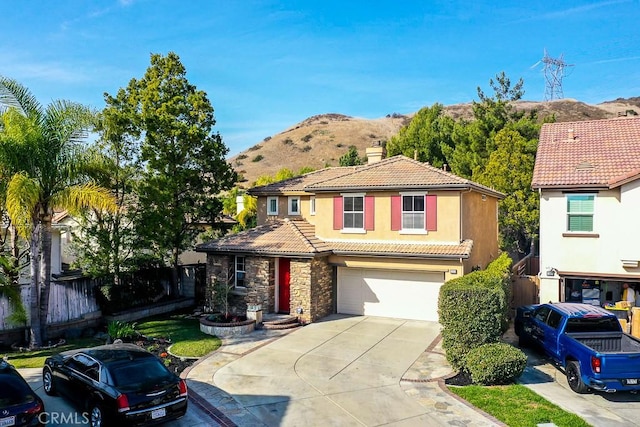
{"x": 60, "y": 413}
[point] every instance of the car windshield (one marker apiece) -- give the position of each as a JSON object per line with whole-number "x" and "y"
{"x": 138, "y": 372}
{"x": 14, "y": 391}
{"x": 593, "y": 324}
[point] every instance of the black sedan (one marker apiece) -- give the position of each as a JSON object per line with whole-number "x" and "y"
{"x": 116, "y": 384}
{"x": 19, "y": 405}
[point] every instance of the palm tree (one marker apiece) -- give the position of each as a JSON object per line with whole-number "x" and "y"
{"x": 45, "y": 146}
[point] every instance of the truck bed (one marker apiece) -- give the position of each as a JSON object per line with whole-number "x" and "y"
{"x": 608, "y": 342}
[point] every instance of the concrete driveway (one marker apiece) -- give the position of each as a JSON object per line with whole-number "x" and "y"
{"x": 341, "y": 371}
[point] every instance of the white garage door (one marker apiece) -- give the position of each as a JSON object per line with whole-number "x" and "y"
{"x": 401, "y": 294}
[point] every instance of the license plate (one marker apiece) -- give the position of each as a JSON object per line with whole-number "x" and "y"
{"x": 158, "y": 413}
{"x": 632, "y": 381}
{"x": 9, "y": 421}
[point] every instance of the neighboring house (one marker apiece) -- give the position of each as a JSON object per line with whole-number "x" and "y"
{"x": 588, "y": 177}
{"x": 378, "y": 239}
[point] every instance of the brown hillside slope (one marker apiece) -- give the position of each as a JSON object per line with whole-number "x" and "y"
{"x": 320, "y": 141}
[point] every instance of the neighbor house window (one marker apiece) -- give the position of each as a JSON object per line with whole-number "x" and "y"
{"x": 294, "y": 205}
{"x": 240, "y": 272}
{"x": 312, "y": 206}
{"x": 272, "y": 206}
{"x": 413, "y": 212}
{"x": 353, "y": 212}
{"x": 580, "y": 212}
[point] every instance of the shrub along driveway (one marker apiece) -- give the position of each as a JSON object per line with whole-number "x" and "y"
{"x": 341, "y": 371}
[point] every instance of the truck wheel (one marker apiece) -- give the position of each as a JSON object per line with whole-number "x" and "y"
{"x": 574, "y": 379}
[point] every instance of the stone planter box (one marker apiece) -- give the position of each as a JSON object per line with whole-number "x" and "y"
{"x": 227, "y": 329}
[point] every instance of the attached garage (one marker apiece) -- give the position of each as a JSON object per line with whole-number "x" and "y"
{"x": 389, "y": 293}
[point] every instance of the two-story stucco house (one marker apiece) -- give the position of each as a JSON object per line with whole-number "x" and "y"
{"x": 588, "y": 177}
{"x": 378, "y": 239}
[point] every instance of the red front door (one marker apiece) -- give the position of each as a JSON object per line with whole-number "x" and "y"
{"x": 284, "y": 294}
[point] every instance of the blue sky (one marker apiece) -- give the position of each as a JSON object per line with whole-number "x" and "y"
{"x": 267, "y": 65}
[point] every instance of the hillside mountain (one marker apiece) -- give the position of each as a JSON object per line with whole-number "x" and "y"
{"x": 320, "y": 141}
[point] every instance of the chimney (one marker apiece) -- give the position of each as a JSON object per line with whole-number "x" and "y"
{"x": 376, "y": 152}
{"x": 570, "y": 135}
{"x": 239, "y": 204}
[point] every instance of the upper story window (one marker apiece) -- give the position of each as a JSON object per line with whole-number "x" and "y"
{"x": 294, "y": 205}
{"x": 580, "y": 212}
{"x": 413, "y": 212}
{"x": 239, "y": 272}
{"x": 353, "y": 212}
{"x": 312, "y": 205}
{"x": 272, "y": 205}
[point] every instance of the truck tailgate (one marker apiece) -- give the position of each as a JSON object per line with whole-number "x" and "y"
{"x": 620, "y": 365}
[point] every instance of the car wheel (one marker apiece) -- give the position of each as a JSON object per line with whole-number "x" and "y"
{"x": 96, "y": 416}
{"x": 47, "y": 382}
{"x": 574, "y": 379}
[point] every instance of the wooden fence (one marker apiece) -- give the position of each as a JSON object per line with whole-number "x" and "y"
{"x": 68, "y": 300}
{"x": 74, "y": 299}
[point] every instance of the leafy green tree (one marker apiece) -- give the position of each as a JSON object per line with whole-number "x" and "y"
{"x": 45, "y": 146}
{"x": 305, "y": 169}
{"x": 104, "y": 242}
{"x": 351, "y": 158}
{"x": 473, "y": 141}
{"x": 426, "y": 137}
{"x": 510, "y": 170}
{"x": 183, "y": 158}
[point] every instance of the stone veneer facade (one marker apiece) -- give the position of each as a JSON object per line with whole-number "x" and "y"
{"x": 311, "y": 285}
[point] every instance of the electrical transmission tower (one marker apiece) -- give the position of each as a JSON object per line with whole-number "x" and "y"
{"x": 553, "y": 74}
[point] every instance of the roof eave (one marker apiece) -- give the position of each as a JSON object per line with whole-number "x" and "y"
{"x": 571, "y": 187}
{"x": 399, "y": 254}
{"x": 450, "y": 187}
{"x": 264, "y": 253}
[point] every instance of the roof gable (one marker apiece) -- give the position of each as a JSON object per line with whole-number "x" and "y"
{"x": 398, "y": 172}
{"x": 292, "y": 237}
{"x": 588, "y": 154}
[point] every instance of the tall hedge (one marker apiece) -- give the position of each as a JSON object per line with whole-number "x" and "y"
{"x": 473, "y": 309}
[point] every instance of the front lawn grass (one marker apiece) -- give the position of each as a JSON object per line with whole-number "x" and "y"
{"x": 35, "y": 359}
{"x": 517, "y": 406}
{"x": 184, "y": 332}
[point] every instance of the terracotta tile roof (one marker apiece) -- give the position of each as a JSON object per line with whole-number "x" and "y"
{"x": 297, "y": 237}
{"x": 283, "y": 237}
{"x": 394, "y": 173}
{"x": 588, "y": 154}
{"x": 460, "y": 250}
{"x": 398, "y": 172}
{"x": 299, "y": 183}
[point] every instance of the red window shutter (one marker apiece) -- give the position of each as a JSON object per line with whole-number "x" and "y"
{"x": 396, "y": 213}
{"x": 337, "y": 213}
{"x": 369, "y": 213}
{"x": 432, "y": 212}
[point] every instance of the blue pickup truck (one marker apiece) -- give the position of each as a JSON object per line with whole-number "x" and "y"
{"x": 587, "y": 341}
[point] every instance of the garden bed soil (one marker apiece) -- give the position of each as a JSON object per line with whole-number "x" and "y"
{"x": 460, "y": 379}
{"x": 160, "y": 347}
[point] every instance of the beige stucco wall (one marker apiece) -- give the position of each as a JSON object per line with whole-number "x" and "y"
{"x": 448, "y": 224}
{"x": 601, "y": 252}
{"x": 450, "y": 268}
{"x": 283, "y": 208}
{"x": 479, "y": 222}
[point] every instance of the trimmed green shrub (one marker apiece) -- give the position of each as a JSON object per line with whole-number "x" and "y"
{"x": 121, "y": 330}
{"x": 497, "y": 363}
{"x": 473, "y": 310}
